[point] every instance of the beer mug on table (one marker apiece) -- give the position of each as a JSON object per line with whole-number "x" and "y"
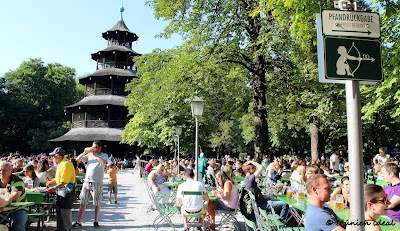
{"x": 339, "y": 201}
{"x": 289, "y": 193}
{"x": 300, "y": 192}
{"x": 30, "y": 184}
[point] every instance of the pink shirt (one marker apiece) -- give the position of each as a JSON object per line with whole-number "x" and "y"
{"x": 234, "y": 197}
{"x": 148, "y": 168}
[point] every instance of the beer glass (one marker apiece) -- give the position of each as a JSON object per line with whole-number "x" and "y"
{"x": 289, "y": 193}
{"x": 339, "y": 201}
{"x": 300, "y": 193}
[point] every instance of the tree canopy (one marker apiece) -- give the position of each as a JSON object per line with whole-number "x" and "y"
{"x": 36, "y": 95}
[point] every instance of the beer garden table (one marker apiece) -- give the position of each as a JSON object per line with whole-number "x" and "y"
{"x": 4, "y": 215}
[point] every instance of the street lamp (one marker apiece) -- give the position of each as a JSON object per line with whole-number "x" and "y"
{"x": 176, "y": 142}
{"x": 178, "y": 132}
{"x": 197, "y": 111}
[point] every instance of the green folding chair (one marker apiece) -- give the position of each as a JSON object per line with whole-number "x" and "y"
{"x": 193, "y": 218}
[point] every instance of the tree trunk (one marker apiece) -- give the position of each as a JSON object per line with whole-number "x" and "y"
{"x": 261, "y": 136}
{"x": 314, "y": 132}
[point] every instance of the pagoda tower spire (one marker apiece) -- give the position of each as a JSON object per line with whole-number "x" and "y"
{"x": 121, "y": 10}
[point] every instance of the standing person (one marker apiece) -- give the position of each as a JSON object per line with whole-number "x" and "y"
{"x": 93, "y": 184}
{"x": 390, "y": 173}
{"x": 111, "y": 159}
{"x": 112, "y": 182}
{"x": 202, "y": 167}
{"x": 318, "y": 215}
{"x": 211, "y": 173}
{"x": 65, "y": 182}
{"x": 334, "y": 161}
{"x": 15, "y": 186}
{"x": 381, "y": 157}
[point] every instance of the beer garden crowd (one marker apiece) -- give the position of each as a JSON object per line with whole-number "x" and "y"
{"x": 300, "y": 194}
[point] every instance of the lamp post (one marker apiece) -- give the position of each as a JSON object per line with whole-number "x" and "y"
{"x": 178, "y": 132}
{"x": 197, "y": 105}
{"x": 176, "y": 142}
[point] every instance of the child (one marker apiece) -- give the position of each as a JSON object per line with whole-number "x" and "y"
{"x": 112, "y": 182}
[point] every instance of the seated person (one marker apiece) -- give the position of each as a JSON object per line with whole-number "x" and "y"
{"x": 227, "y": 197}
{"x": 228, "y": 170}
{"x": 390, "y": 172}
{"x": 15, "y": 187}
{"x": 41, "y": 171}
{"x": 148, "y": 167}
{"x": 275, "y": 173}
{"x": 346, "y": 169}
{"x": 156, "y": 181}
{"x": 344, "y": 189}
{"x": 17, "y": 167}
{"x": 253, "y": 170}
{"x": 318, "y": 215}
{"x": 239, "y": 171}
{"x": 330, "y": 176}
{"x": 30, "y": 175}
{"x": 191, "y": 204}
{"x": 376, "y": 205}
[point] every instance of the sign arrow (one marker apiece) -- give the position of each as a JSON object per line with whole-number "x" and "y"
{"x": 354, "y": 31}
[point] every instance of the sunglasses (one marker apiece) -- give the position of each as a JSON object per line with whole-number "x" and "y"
{"x": 383, "y": 201}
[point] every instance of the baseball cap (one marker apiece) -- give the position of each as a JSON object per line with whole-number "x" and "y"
{"x": 58, "y": 150}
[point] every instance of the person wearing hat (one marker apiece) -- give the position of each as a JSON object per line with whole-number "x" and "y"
{"x": 65, "y": 181}
{"x": 93, "y": 184}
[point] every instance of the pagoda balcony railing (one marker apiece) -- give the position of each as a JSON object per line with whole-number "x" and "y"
{"x": 116, "y": 43}
{"x": 121, "y": 65}
{"x": 105, "y": 91}
{"x": 99, "y": 124}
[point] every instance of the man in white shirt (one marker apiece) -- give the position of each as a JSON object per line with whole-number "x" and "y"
{"x": 334, "y": 162}
{"x": 93, "y": 184}
{"x": 191, "y": 204}
{"x": 381, "y": 157}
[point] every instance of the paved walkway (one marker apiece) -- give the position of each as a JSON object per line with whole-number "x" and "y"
{"x": 129, "y": 213}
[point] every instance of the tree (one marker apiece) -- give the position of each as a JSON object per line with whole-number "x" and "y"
{"x": 169, "y": 80}
{"x": 36, "y": 93}
{"x": 227, "y": 31}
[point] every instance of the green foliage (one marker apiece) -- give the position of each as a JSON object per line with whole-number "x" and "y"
{"x": 37, "y": 96}
{"x": 47, "y": 130}
{"x": 169, "y": 80}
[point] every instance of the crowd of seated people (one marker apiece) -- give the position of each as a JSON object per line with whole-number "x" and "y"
{"x": 221, "y": 173}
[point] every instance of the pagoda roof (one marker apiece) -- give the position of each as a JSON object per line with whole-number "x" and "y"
{"x": 90, "y": 134}
{"x": 112, "y": 72}
{"x": 100, "y": 100}
{"x": 119, "y": 48}
{"x": 120, "y": 26}
{"x": 112, "y": 48}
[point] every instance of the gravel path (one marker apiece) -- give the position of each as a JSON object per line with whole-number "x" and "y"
{"x": 129, "y": 213}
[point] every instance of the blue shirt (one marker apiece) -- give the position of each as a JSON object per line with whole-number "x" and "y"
{"x": 320, "y": 219}
{"x": 202, "y": 165}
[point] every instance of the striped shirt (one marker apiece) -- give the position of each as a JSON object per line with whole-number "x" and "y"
{"x": 16, "y": 184}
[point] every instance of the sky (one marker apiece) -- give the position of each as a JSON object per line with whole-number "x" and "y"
{"x": 69, "y": 31}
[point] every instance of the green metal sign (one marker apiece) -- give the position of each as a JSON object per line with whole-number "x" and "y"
{"x": 353, "y": 59}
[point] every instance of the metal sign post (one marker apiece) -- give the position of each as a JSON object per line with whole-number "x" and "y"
{"x": 354, "y": 137}
{"x": 349, "y": 51}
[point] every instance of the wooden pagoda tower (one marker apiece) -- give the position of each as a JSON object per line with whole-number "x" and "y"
{"x": 101, "y": 114}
